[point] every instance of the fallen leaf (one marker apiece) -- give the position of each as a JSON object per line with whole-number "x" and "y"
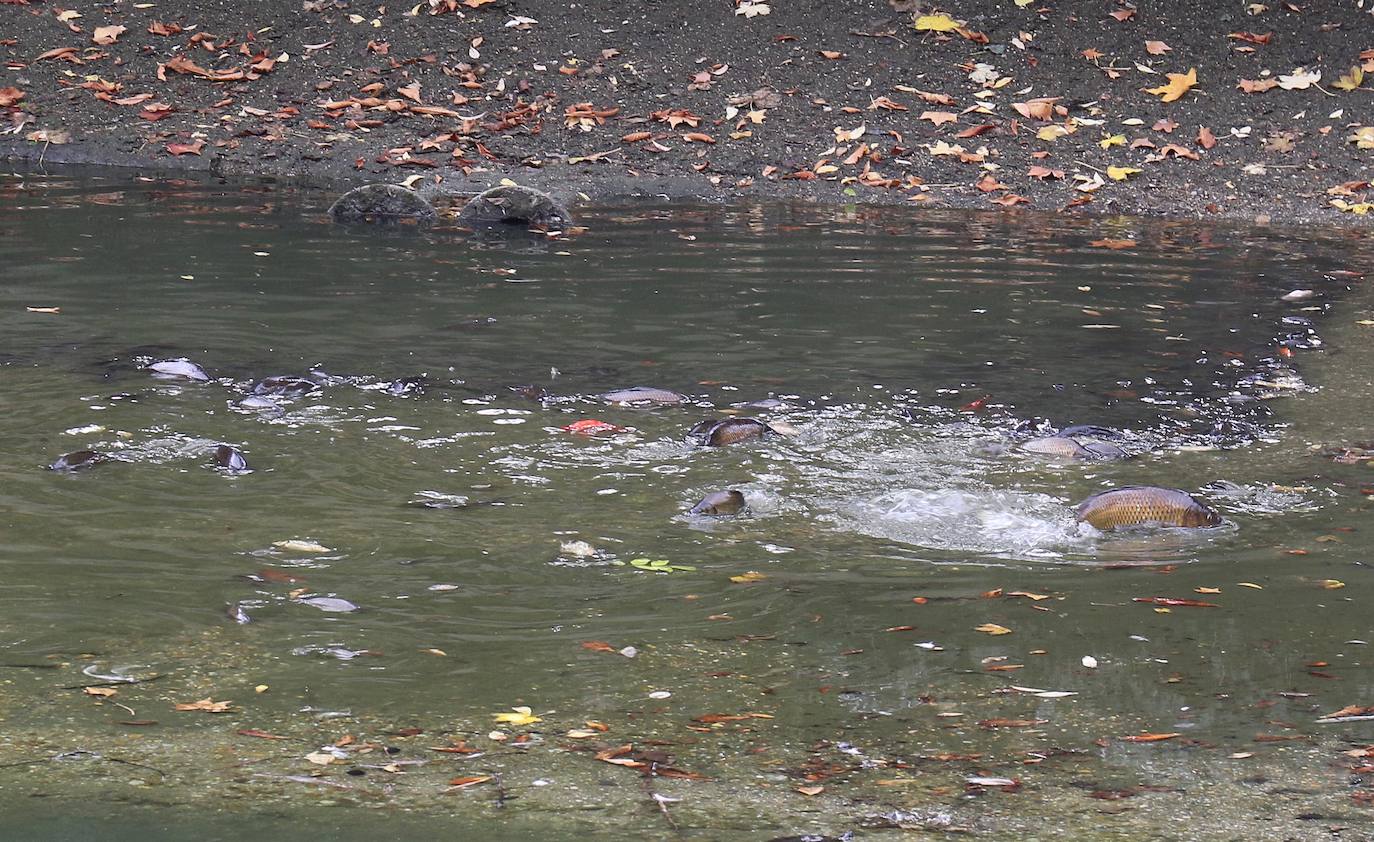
{"x": 939, "y": 117}
{"x": 1178, "y": 85}
{"x": 1254, "y": 86}
{"x": 9, "y": 96}
{"x": 1157, "y": 48}
{"x": 1149, "y": 738}
{"x": 1113, "y": 244}
{"x": 992, "y": 628}
{"x": 597, "y": 646}
{"x": 105, "y": 35}
{"x": 1121, "y": 173}
{"x": 1300, "y": 79}
{"x": 1165, "y": 600}
{"x": 1205, "y": 138}
{"x": 102, "y": 692}
{"x": 1351, "y": 80}
{"x": 205, "y": 705}
{"x": 519, "y": 716}
{"x": 468, "y": 780}
{"x": 811, "y": 790}
{"x": 936, "y": 23}
{"x": 186, "y": 148}
{"x": 751, "y": 576}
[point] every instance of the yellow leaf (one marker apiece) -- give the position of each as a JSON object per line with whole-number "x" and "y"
{"x": 1114, "y": 140}
{"x": 1179, "y": 84}
{"x": 937, "y": 23}
{"x": 1250, "y": 585}
{"x": 1023, "y": 3}
{"x": 1206, "y": 590}
{"x": 1121, "y": 173}
{"x": 519, "y": 716}
{"x": 751, "y": 576}
{"x": 1363, "y": 137}
{"x": 1351, "y": 80}
{"x": 993, "y": 628}
{"x": 100, "y": 691}
{"x": 1332, "y": 584}
{"x": 1359, "y": 209}
{"x": 1052, "y": 132}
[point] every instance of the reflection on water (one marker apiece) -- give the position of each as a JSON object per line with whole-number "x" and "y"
{"x": 421, "y": 471}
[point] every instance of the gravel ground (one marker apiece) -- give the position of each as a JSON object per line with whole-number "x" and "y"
{"x": 1037, "y": 104}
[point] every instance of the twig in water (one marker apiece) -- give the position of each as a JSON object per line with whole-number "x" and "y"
{"x": 660, "y": 801}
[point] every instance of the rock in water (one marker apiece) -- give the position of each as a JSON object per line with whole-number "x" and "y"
{"x": 381, "y": 203}
{"x": 77, "y": 460}
{"x": 515, "y": 205}
{"x": 720, "y": 503}
{"x": 1138, "y": 505}
{"x": 712, "y": 433}
{"x": 231, "y": 459}
{"x": 180, "y": 367}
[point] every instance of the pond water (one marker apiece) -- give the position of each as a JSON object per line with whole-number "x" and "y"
{"x": 812, "y": 665}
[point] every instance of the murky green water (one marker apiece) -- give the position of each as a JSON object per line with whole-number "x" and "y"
{"x": 907, "y": 348}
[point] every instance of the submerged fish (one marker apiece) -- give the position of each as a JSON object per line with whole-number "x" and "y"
{"x": 716, "y": 433}
{"x": 77, "y": 460}
{"x": 719, "y": 503}
{"x": 231, "y": 459}
{"x": 180, "y": 367}
{"x": 642, "y": 396}
{"x": 1071, "y": 448}
{"x": 1136, "y": 505}
{"x": 284, "y": 386}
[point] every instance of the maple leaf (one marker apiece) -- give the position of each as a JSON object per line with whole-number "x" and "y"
{"x": 993, "y": 628}
{"x": 1300, "y": 79}
{"x": 1092, "y": 54}
{"x": 1179, "y": 84}
{"x": 1157, "y": 48}
{"x": 1205, "y": 138}
{"x": 1121, "y": 173}
{"x": 1363, "y": 137}
{"x": 1166, "y": 125}
{"x": 9, "y": 96}
{"x": 1351, "y": 80}
{"x": 410, "y": 92}
{"x": 939, "y": 117}
{"x": 1254, "y": 86}
{"x": 1043, "y": 173}
{"x": 1123, "y": 15}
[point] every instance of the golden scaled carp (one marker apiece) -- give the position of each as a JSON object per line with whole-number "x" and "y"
{"x": 1138, "y": 505}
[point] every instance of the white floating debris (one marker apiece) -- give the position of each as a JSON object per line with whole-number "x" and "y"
{"x": 1090, "y": 662}
{"x": 442, "y": 587}
{"x": 1299, "y": 295}
{"x": 1045, "y": 694}
{"x": 89, "y": 429}
{"x": 978, "y": 780}
{"x": 629, "y": 651}
{"x": 660, "y": 694}
{"x": 931, "y": 646}
{"x": 295, "y": 545}
{"x": 578, "y": 549}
